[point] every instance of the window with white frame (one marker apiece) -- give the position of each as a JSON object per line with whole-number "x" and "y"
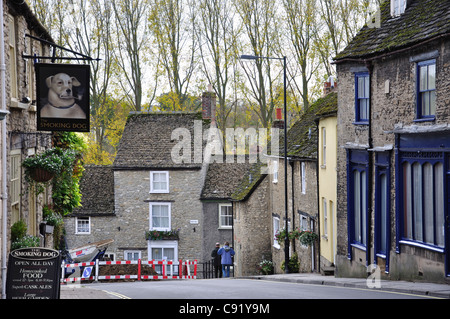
{"x": 159, "y": 182}
{"x": 275, "y": 171}
{"x": 398, "y": 7}
{"x": 324, "y": 146}
{"x": 225, "y": 216}
{"x": 12, "y": 57}
{"x": 132, "y": 254}
{"x": 276, "y": 228}
{"x": 303, "y": 173}
{"x": 15, "y": 182}
{"x": 83, "y": 225}
{"x": 303, "y": 222}
{"x": 160, "y": 218}
{"x": 325, "y": 217}
{"x": 163, "y": 250}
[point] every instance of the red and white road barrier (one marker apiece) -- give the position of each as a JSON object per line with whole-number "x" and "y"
{"x": 167, "y": 268}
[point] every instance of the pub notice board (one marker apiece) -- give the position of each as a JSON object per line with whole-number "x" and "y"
{"x": 33, "y": 273}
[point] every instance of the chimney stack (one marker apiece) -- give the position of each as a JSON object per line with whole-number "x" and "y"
{"x": 279, "y": 121}
{"x": 209, "y": 104}
{"x": 329, "y": 86}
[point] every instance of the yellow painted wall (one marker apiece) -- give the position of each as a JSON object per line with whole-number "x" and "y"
{"x": 327, "y": 187}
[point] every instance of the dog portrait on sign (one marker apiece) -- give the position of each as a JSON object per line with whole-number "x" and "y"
{"x": 62, "y": 97}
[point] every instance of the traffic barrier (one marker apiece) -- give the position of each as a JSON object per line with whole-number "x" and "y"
{"x": 182, "y": 267}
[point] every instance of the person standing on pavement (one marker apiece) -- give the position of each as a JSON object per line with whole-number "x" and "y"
{"x": 217, "y": 263}
{"x": 226, "y": 252}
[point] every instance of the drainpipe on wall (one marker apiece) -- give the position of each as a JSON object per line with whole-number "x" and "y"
{"x": 4, "y": 195}
{"x": 369, "y": 66}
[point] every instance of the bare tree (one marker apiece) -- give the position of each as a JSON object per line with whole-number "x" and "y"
{"x": 171, "y": 23}
{"x": 259, "y": 22}
{"x": 131, "y": 46}
{"x": 217, "y": 35}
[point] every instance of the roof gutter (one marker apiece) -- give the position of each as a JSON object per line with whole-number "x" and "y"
{"x": 365, "y": 60}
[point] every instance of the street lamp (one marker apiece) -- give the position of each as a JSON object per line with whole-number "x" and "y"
{"x": 286, "y": 238}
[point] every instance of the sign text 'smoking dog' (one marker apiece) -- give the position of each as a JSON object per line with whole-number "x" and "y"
{"x": 62, "y": 97}
{"x": 33, "y": 273}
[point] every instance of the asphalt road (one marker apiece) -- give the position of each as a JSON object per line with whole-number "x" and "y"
{"x": 240, "y": 289}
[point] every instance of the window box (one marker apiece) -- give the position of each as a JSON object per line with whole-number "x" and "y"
{"x": 162, "y": 234}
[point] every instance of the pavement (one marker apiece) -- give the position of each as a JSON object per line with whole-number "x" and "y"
{"x": 83, "y": 291}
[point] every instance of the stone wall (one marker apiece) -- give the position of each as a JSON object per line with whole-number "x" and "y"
{"x": 394, "y": 81}
{"x": 252, "y": 231}
{"x": 132, "y": 200}
{"x": 211, "y": 231}
{"x": 299, "y": 204}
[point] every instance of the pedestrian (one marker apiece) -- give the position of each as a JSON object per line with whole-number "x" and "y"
{"x": 227, "y": 253}
{"x": 217, "y": 263}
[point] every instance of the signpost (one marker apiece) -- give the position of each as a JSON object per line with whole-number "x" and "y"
{"x": 33, "y": 273}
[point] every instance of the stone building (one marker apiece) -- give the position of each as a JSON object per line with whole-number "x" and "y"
{"x": 259, "y": 201}
{"x": 21, "y": 138}
{"x": 220, "y": 182}
{"x": 148, "y": 188}
{"x": 327, "y": 160}
{"x": 394, "y": 145}
{"x": 252, "y": 237}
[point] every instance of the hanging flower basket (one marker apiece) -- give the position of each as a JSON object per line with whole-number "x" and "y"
{"x": 40, "y": 175}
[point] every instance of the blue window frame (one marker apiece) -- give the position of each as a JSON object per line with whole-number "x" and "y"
{"x": 382, "y": 207}
{"x": 423, "y": 183}
{"x": 362, "y": 98}
{"x": 357, "y": 199}
{"x": 426, "y": 90}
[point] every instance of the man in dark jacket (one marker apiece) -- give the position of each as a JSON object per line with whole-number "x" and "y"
{"x": 217, "y": 264}
{"x": 227, "y": 253}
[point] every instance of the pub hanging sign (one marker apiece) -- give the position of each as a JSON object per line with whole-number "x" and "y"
{"x": 62, "y": 97}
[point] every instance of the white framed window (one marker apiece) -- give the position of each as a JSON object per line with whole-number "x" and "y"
{"x": 132, "y": 254}
{"x": 15, "y": 185}
{"x": 303, "y": 222}
{"x": 225, "y": 216}
{"x": 398, "y": 7}
{"x": 110, "y": 256}
{"x": 276, "y": 228}
{"x": 303, "y": 173}
{"x": 163, "y": 250}
{"x": 83, "y": 225}
{"x": 160, "y": 216}
{"x": 324, "y": 146}
{"x": 13, "y": 57}
{"x": 159, "y": 182}
{"x": 275, "y": 171}
{"x": 325, "y": 217}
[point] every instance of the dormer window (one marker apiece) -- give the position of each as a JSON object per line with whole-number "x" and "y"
{"x": 398, "y": 7}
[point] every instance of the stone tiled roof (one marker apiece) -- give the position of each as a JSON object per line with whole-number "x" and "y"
{"x": 250, "y": 181}
{"x": 147, "y": 141}
{"x": 302, "y": 144}
{"x": 423, "y": 20}
{"x": 222, "y": 179}
{"x": 97, "y": 192}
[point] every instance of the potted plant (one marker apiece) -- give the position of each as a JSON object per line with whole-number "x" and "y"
{"x": 266, "y": 267}
{"x": 293, "y": 264}
{"x": 19, "y": 238}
